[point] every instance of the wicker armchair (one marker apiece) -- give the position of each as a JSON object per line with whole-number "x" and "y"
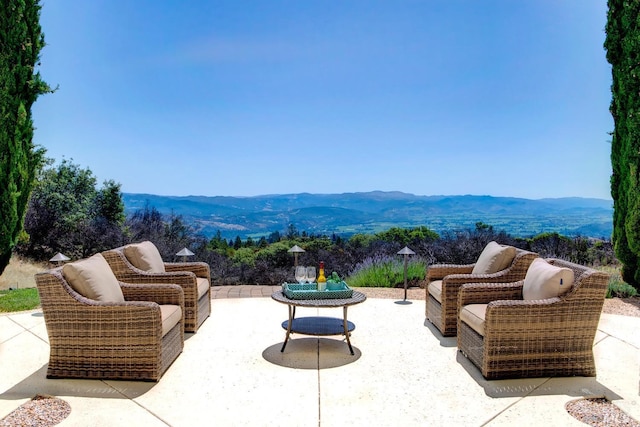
{"x": 193, "y": 277}
{"x": 446, "y": 279}
{"x": 534, "y": 338}
{"x": 107, "y": 340}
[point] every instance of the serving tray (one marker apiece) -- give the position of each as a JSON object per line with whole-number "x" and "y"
{"x": 310, "y": 291}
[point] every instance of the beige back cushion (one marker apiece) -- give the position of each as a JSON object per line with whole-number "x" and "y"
{"x": 145, "y": 256}
{"x": 544, "y": 280}
{"x": 494, "y": 258}
{"x": 93, "y": 278}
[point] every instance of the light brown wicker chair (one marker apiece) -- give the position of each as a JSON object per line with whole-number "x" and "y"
{"x": 193, "y": 277}
{"x": 442, "y": 309}
{"x": 106, "y": 340}
{"x": 535, "y": 338}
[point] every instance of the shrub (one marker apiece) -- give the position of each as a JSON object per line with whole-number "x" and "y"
{"x": 386, "y": 272}
{"x": 617, "y": 287}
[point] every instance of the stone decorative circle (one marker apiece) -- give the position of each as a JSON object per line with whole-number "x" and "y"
{"x": 41, "y": 411}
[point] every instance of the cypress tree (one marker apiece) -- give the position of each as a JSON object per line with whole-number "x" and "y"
{"x": 623, "y": 53}
{"x": 21, "y": 40}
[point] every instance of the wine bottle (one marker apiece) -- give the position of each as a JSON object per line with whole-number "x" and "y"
{"x": 322, "y": 280}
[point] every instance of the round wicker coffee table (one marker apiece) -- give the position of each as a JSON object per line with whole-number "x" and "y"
{"x": 317, "y": 325}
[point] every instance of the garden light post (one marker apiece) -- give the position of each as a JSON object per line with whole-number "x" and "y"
{"x": 184, "y": 253}
{"x": 406, "y": 252}
{"x": 59, "y": 258}
{"x": 296, "y": 250}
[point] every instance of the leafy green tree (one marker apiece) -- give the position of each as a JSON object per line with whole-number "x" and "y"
{"x": 109, "y": 204}
{"x": 68, "y": 214}
{"x": 623, "y": 52}
{"x": 21, "y": 40}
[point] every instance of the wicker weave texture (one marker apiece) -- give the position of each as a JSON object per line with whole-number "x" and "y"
{"x": 91, "y": 339}
{"x": 197, "y": 310}
{"x": 539, "y": 338}
{"x": 444, "y": 315}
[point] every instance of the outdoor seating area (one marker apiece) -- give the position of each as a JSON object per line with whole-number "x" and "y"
{"x": 403, "y": 373}
{"x": 101, "y": 328}
{"x": 112, "y": 327}
{"x": 121, "y": 314}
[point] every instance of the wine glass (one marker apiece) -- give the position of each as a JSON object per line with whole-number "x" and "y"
{"x": 311, "y": 274}
{"x": 301, "y": 274}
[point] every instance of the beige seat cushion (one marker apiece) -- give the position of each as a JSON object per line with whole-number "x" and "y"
{"x": 494, "y": 258}
{"x": 544, "y": 280}
{"x": 93, "y": 278}
{"x": 474, "y": 316}
{"x": 435, "y": 290}
{"x": 145, "y": 256}
{"x": 171, "y": 315}
{"x": 203, "y": 286}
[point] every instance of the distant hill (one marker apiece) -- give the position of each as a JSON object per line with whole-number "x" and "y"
{"x": 349, "y": 213}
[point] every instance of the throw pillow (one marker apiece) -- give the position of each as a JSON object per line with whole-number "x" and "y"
{"x": 145, "y": 256}
{"x": 494, "y": 258}
{"x": 544, "y": 280}
{"x": 93, "y": 278}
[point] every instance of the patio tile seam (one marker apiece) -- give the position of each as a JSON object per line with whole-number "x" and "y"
{"x": 132, "y": 399}
{"x": 23, "y": 329}
{"x": 156, "y": 416}
{"x": 618, "y": 339}
{"x": 606, "y": 335}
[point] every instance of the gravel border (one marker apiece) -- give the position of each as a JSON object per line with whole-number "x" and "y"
{"x": 41, "y": 411}
{"x": 599, "y": 412}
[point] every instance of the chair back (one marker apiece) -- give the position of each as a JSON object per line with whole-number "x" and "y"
{"x": 587, "y": 283}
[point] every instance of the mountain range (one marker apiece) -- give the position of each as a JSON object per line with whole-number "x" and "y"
{"x": 370, "y": 212}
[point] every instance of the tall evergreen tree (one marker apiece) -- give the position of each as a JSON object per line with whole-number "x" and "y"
{"x": 623, "y": 53}
{"x": 21, "y": 40}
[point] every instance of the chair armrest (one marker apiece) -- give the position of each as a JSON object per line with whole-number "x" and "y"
{"x": 439, "y": 271}
{"x": 158, "y": 293}
{"x": 200, "y": 269}
{"x": 484, "y": 293}
{"x": 119, "y": 321}
{"x": 523, "y": 315}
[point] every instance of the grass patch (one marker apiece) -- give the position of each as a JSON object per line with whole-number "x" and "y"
{"x": 386, "y": 274}
{"x": 19, "y": 277}
{"x": 19, "y": 300}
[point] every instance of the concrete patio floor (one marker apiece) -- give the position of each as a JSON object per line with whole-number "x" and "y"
{"x": 403, "y": 373}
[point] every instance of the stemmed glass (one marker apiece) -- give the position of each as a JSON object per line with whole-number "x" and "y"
{"x": 301, "y": 274}
{"x": 311, "y": 274}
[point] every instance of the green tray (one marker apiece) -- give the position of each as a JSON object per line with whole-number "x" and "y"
{"x": 310, "y": 291}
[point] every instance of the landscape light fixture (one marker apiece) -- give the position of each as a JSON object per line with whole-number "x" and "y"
{"x": 406, "y": 252}
{"x": 59, "y": 259}
{"x": 184, "y": 253}
{"x": 296, "y": 250}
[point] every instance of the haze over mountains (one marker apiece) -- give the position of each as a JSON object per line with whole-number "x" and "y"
{"x": 349, "y": 213}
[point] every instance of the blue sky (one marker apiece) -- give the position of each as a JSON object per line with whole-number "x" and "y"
{"x": 243, "y": 98}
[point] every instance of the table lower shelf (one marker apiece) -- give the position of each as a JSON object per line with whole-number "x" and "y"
{"x": 319, "y": 326}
